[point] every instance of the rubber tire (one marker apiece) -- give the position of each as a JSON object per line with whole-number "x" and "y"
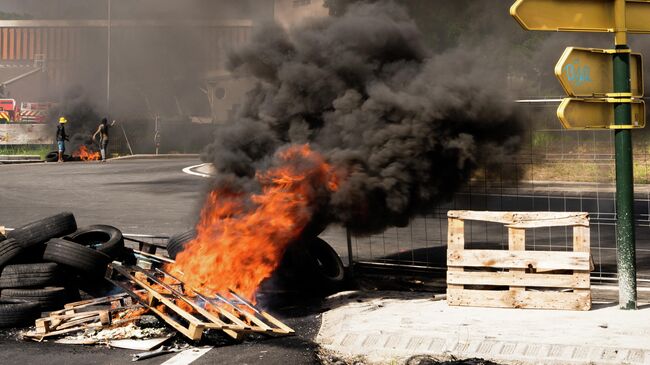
{"x": 9, "y": 250}
{"x": 316, "y": 266}
{"x": 79, "y": 257}
{"x": 30, "y": 275}
{"x": 18, "y": 313}
{"x": 176, "y": 243}
{"x": 52, "y": 156}
{"x": 43, "y": 229}
{"x": 50, "y": 298}
{"x": 103, "y": 238}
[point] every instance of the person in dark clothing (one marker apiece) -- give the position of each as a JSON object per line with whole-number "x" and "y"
{"x": 102, "y": 131}
{"x": 61, "y": 137}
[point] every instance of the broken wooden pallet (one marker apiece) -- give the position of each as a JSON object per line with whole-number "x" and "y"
{"x": 164, "y": 295}
{"x": 79, "y": 316}
{"x": 531, "y": 279}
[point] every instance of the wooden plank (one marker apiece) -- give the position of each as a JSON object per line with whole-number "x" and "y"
{"x": 517, "y": 242}
{"x": 455, "y": 242}
{"x": 92, "y": 302}
{"x": 582, "y": 243}
{"x": 577, "y": 280}
{"x": 545, "y": 219}
{"x": 541, "y": 260}
{"x": 525, "y": 299}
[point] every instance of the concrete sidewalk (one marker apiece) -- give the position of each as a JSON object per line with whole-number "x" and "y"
{"x": 390, "y": 327}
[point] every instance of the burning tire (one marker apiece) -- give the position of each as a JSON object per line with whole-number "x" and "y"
{"x": 18, "y": 313}
{"x": 30, "y": 275}
{"x": 76, "y": 256}
{"x": 103, "y": 238}
{"x": 9, "y": 250}
{"x": 47, "y": 298}
{"x": 177, "y": 242}
{"x": 316, "y": 266}
{"x": 42, "y": 230}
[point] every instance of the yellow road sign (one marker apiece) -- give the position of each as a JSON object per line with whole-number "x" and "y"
{"x": 580, "y": 15}
{"x": 589, "y": 72}
{"x": 597, "y": 113}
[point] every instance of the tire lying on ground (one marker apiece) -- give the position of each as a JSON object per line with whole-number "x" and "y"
{"x": 81, "y": 258}
{"x": 177, "y": 242}
{"x": 103, "y": 238}
{"x": 18, "y": 313}
{"x": 47, "y": 298}
{"x": 54, "y": 157}
{"x": 315, "y": 266}
{"x": 30, "y": 275}
{"x": 43, "y": 229}
{"x": 9, "y": 250}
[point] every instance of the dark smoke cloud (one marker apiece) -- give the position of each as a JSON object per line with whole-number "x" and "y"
{"x": 82, "y": 117}
{"x": 406, "y": 127}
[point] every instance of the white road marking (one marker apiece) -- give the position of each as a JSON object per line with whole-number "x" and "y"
{"x": 188, "y": 356}
{"x": 188, "y": 170}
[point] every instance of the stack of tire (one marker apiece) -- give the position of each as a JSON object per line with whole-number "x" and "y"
{"x": 43, "y": 265}
{"x": 309, "y": 265}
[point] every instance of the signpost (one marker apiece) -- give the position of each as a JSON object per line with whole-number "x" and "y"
{"x": 603, "y": 85}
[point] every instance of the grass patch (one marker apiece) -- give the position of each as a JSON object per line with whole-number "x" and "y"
{"x": 584, "y": 171}
{"x": 40, "y": 150}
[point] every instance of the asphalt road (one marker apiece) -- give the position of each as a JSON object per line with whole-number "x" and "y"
{"x": 138, "y": 196}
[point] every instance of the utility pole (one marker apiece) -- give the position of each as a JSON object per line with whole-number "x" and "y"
{"x": 108, "y": 61}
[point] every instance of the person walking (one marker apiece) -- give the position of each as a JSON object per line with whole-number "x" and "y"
{"x": 102, "y": 131}
{"x": 61, "y": 137}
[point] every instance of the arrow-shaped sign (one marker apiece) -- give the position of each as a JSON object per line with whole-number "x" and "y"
{"x": 580, "y": 15}
{"x": 589, "y": 72}
{"x": 596, "y": 113}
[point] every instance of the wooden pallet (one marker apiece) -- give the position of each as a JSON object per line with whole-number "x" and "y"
{"x": 530, "y": 279}
{"x": 77, "y": 316}
{"x": 228, "y": 313}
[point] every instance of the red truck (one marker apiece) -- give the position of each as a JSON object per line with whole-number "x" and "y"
{"x": 27, "y": 112}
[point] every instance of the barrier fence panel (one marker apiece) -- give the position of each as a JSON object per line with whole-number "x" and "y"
{"x": 555, "y": 170}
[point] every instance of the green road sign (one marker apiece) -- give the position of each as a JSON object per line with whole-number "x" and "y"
{"x": 589, "y": 72}
{"x": 582, "y": 113}
{"x": 580, "y": 15}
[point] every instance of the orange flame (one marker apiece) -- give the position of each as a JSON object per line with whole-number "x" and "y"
{"x": 241, "y": 239}
{"x": 86, "y": 155}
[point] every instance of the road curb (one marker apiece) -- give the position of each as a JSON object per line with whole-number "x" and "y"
{"x": 161, "y": 156}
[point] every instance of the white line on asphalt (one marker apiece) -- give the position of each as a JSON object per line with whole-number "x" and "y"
{"x": 188, "y": 170}
{"x": 188, "y": 356}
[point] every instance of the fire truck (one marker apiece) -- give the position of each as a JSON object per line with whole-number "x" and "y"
{"x": 27, "y": 112}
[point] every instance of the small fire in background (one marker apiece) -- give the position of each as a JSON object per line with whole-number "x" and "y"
{"x": 85, "y": 155}
{"x": 241, "y": 237}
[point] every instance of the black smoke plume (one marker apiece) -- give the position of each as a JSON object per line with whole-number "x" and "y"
{"x": 83, "y": 120}
{"x": 405, "y": 126}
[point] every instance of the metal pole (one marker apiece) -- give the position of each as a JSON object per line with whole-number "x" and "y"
{"x": 108, "y": 63}
{"x": 625, "y": 240}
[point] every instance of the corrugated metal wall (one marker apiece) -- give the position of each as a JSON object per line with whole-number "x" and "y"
{"x": 62, "y": 46}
